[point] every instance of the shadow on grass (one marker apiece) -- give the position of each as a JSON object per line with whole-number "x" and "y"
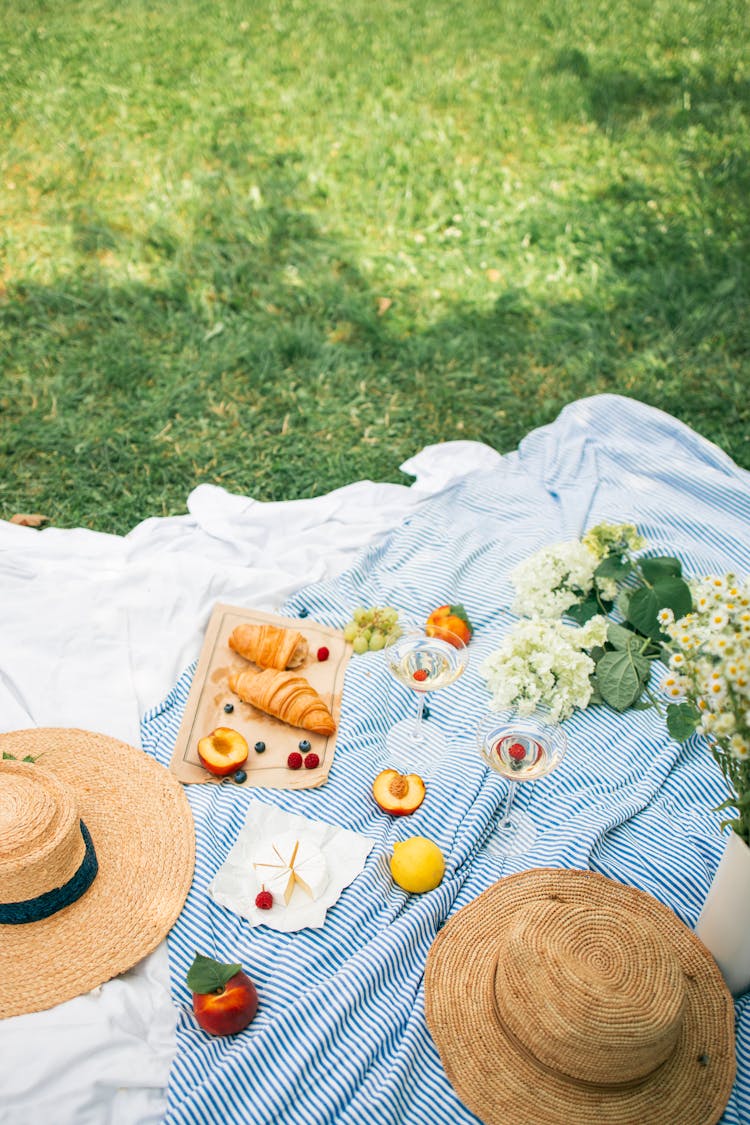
{"x": 679, "y": 99}
{"x": 263, "y": 361}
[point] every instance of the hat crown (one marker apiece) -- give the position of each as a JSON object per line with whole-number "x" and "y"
{"x": 596, "y": 996}
{"x": 41, "y": 846}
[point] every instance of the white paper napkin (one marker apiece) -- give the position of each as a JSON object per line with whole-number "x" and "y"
{"x": 235, "y": 886}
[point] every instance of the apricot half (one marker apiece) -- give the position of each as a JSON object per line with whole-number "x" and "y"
{"x": 398, "y": 793}
{"x": 223, "y": 751}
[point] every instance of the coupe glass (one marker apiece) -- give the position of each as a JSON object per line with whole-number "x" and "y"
{"x": 424, "y": 664}
{"x": 519, "y": 749}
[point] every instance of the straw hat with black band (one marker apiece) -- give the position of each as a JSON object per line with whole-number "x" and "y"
{"x": 563, "y": 998}
{"x": 97, "y": 849}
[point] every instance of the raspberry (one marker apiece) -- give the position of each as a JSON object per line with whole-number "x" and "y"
{"x": 294, "y": 761}
{"x": 311, "y": 761}
{"x": 264, "y": 900}
{"x": 420, "y": 674}
{"x": 517, "y": 752}
{"x": 323, "y": 653}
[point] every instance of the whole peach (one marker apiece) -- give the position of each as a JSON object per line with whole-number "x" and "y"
{"x": 228, "y": 1009}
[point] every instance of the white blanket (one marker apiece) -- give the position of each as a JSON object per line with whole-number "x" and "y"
{"x": 95, "y": 630}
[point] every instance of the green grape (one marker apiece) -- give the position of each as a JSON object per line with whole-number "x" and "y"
{"x": 372, "y": 627}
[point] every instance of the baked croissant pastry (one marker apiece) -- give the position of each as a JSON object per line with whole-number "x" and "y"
{"x": 285, "y": 696}
{"x": 269, "y": 646}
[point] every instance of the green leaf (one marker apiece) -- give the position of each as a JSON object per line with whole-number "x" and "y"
{"x": 459, "y": 612}
{"x": 682, "y": 720}
{"x": 613, "y": 567}
{"x": 618, "y": 679}
{"x": 207, "y": 975}
{"x": 666, "y": 593}
{"x": 621, "y": 638}
{"x": 663, "y": 566}
{"x": 584, "y": 611}
{"x": 643, "y": 610}
{"x": 674, "y": 594}
{"x": 28, "y": 758}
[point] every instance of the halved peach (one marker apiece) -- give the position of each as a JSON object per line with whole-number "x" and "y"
{"x": 398, "y": 793}
{"x": 223, "y": 751}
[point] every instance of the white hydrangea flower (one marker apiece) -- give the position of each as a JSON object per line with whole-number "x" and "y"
{"x": 594, "y": 632}
{"x": 543, "y": 664}
{"x": 552, "y": 580}
{"x": 613, "y": 539}
{"x": 607, "y": 588}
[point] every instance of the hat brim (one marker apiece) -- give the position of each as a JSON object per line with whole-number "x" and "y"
{"x": 500, "y": 1082}
{"x": 143, "y": 833}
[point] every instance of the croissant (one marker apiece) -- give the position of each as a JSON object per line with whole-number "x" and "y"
{"x": 269, "y": 646}
{"x": 286, "y": 696}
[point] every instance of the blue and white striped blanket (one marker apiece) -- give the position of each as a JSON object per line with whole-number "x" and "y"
{"x": 340, "y": 1035}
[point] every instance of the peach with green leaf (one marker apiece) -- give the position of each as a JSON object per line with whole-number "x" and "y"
{"x": 225, "y": 1000}
{"x": 449, "y": 621}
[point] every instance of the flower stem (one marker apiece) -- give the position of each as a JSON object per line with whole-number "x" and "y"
{"x": 654, "y": 700}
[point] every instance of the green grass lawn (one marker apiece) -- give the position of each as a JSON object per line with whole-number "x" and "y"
{"x": 281, "y": 246}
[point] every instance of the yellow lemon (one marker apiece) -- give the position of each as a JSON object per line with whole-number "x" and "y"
{"x": 417, "y": 865}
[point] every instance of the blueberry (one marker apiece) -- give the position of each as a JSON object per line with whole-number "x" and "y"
{"x": 240, "y": 776}
{"x": 303, "y": 612}
{"x": 260, "y": 747}
{"x": 425, "y": 712}
{"x": 305, "y": 746}
{"x": 229, "y": 707}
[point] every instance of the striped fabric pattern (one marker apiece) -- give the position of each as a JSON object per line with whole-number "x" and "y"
{"x": 340, "y": 1035}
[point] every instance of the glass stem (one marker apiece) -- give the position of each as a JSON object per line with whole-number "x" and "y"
{"x": 418, "y": 733}
{"x": 505, "y": 820}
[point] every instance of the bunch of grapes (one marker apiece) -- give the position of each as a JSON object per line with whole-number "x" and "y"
{"x": 371, "y": 629}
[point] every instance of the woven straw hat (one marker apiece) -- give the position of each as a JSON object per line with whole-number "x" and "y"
{"x": 562, "y": 997}
{"x": 97, "y": 848}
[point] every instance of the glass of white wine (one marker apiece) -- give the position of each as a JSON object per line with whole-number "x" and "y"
{"x": 519, "y": 748}
{"x": 424, "y": 664}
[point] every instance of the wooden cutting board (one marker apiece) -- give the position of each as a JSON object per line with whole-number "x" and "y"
{"x": 210, "y": 693}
